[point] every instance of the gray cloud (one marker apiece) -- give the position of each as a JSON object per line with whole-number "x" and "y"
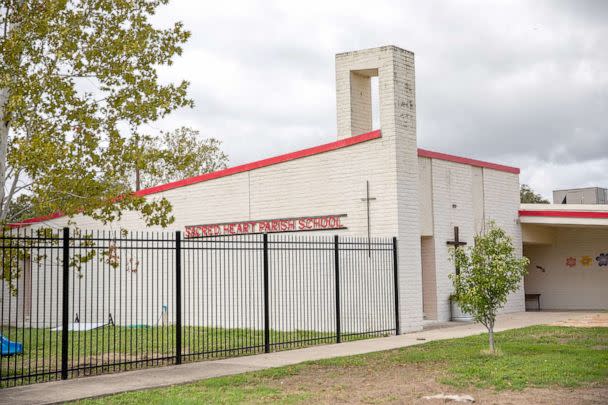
{"x": 522, "y": 83}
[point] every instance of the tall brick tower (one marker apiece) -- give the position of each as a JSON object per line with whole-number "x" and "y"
{"x": 394, "y": 68}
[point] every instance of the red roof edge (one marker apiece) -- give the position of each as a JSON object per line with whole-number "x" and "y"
{"x": 467, "y": 161}
{"x": 42, "y": 218}
{"x": 342, "y": 143}
{"x": 563, "y": 214}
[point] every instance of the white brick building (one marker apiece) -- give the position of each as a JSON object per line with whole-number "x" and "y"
{"x": 419, "y": 196}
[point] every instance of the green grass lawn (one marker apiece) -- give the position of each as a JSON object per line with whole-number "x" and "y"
{"x": 103, "y": 347}
{"x": 539, "y": 356}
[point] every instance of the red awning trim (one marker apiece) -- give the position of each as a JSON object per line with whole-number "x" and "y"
{"x": 563, "y": 214}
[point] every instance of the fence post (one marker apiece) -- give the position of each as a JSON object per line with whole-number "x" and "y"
{"x": 396, "y": 282}
{"x": 178, "y": 297}
{"x": 65, "y": 304}
{"x": 337, "y": 282}
{"x": 266, "y": 300}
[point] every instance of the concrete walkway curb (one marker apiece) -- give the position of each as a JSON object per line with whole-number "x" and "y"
{"x": 88, "y": 387}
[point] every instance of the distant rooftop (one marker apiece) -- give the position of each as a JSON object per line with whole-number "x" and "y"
{"x": 585, "y": 195}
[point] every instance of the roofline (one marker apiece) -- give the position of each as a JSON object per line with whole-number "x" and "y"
{"x": 342, "y": 143}
{"x": 581, "y": 188}
{"x": 467, "y": 161}
{"x": 564, "y": 214}
{"x": 34, "y": 220}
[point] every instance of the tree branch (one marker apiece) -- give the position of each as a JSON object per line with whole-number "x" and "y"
{"x": 18, "y": 213}
{"x": 5, "y": 29}
{"x": 8, "y": 174}
{"x": 7, "y": 200}
{"x": 23, "y": 187}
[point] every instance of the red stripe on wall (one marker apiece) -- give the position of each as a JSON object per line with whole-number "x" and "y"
{"x": 563, "y": 214}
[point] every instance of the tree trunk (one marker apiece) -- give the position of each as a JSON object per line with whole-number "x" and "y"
{"x": 4, "y": 127}
{"x": 491, "y": 337}
{"x": 137, "y": 178}
{"x": 4, "y": 122}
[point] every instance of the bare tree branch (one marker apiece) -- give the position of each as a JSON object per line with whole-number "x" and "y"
{"x": 7, "y": 201}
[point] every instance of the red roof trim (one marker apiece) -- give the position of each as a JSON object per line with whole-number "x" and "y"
{"x": 563, "y": 214}
{"x": 353, "y": 140}
{"x": 36, "y": 219}
{"x": 467, "y": 161}
{"x": 264, "y": 162}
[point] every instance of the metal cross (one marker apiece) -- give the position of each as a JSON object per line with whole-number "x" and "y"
{"x": 367, "y": 199}
{"x": 456, "y": 243}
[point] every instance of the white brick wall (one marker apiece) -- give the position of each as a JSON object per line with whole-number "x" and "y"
{"x": 452, "y": 185}
{"x": 466, "y": 196}
{"x": 429, "y": 279}
{"x": 425, "y": 175}
{"x": 328, "y": 183}
{"x": 501, "y": 204}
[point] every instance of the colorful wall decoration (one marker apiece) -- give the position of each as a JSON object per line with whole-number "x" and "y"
{"x": 587, "y": 261}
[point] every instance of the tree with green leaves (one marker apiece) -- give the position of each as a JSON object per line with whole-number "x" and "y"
{"x": 528, "y": 196}
{"x": 488, "y": 272}
{"x": 173, "y": 156}
{"x": 77, "y": 80}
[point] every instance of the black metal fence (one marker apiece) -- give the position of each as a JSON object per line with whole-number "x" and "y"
{"x": 82, "y": 303}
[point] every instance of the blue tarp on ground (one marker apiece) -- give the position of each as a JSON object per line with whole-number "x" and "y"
{"x": 9, "y": 348}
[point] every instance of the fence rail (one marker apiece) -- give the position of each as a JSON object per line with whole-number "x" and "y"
{"x": 80, "y": 303}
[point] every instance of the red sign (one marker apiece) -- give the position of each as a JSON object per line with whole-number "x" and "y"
{"x": 297, "y": 224}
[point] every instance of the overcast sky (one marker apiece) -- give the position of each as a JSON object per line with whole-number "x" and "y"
{"x": 520, "y": 83}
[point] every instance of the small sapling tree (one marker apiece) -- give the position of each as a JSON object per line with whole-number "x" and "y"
{"x": 489, "y": 271}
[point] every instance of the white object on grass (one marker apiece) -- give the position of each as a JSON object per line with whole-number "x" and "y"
{"x": 451, "y": 397}
{"x": 80, "y": 327}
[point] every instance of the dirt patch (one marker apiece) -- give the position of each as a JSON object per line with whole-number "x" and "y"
{"x": 408, "y": 384}
{"x": 587, "y": 321}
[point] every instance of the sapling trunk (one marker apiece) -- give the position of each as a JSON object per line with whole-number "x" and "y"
{"x": 490, "y": 326}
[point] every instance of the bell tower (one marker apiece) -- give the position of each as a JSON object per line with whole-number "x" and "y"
{"x": 394, "y": 68}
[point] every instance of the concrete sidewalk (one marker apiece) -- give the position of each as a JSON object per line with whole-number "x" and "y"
{"x": 86, "y": 387}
